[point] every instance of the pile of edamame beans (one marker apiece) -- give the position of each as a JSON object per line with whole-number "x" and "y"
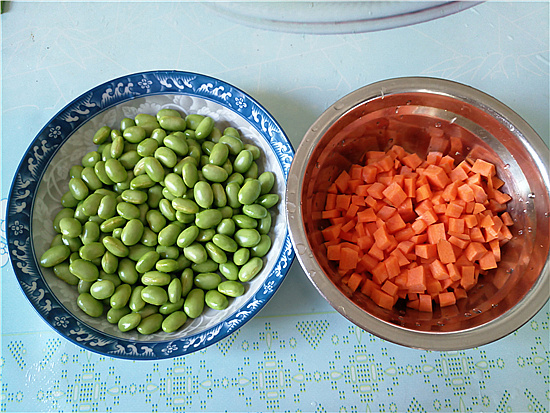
{"x": 168, "y": 215}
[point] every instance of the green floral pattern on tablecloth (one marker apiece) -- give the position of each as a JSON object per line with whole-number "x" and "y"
{"x": 310, "y": 363}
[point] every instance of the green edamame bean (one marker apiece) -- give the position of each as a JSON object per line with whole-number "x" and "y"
{"x": 90, "y": 178}
{"x": 127, "y": 271}
{"x": 91, "y": 251}
{"x": 167, "y": 210}
{"x": 174, "y": 321}
{"x": 171, "y": 252}
{"x": 155, "y": 295}
{"x": 156, "y": 220}
{"x": 182, "y": 262}
{"x": 147, "y": 122}
{"x": 190, "y": 174}
{"x": 90, "y": 159}
{"x": 262, "y": 248}
{"x": 249, "y": 192}
{"x": 255, "y": 211}
{"x": 256, "y": 152}
{"x": 101, "y": 173}
{"x": 216, "y": 300}
{"x": 134, "y": 134}
{"x": 109, "y": 262}
{"x": 115, "y": 314}
{"x": 68, "y": 200}
{"x": 174, "y": 290}
{"x": 107, "y": 207}
{"x": 169, "y": 308}
{"x": 244, "y": 221}
{"x": 85, "y": 270}
{"x": 226, "y": 211}
{"x": 234, "y": 143}
{"x": 120, "y": 187}
{"x": 168, "y": 112}
{"x": 167, "y": 265}
{"x": 215, "y": 253}
{"x": 135, "y": 302}
{"x": 147, "y": 147}
{"x": 117, "y": 147}
{"x": 252, "y": 172}
{"x": 64, "y": 213}
{"x": 70, "y": 227}
{"x": 235, "y": 177}
{"x": 115, "y": 171}
{"x": 225, "y": 242}
{"x": 149, "y": 237}
{"x": 128, "y": 210}
{"x": 150, "y": 324}
{"x": 187, "y": 277}
{"x": 226, "y": 227}
{"x": 158, "y": 135}
{"x": 204, "y": 128}
{"x": 193, "y": 120}
{"x": 203, "y": 194}
{"x": 120, "y": 297}
{"x": 232, "y": 191}
{"x": 231, "y": 288}
{"x": 166, "y": 156}
{"x": 102, "y": 135}
{"x": 132, "y": 232}
{"x": 142, "y": 182}
{"x": 174, "y": 183}
{"x": 229, "y": 270}
{"x": 114, "y": 278}
{"x": 220, "y": 197}
{"x": 57, "y": 240}
{"x": 207, "y": 266}
{"x": 187, "y": 206}
{"x": 75, "y": 171}
{"x": 129, "y": 159}
{"x": 62, "y": 272}
{"x": 194, "y": 303}
{"x": 84, "y": 286}
{"x": 264, "y": 225}
{"x": 214, "y": 173}
{"x": 169, "y": 234}
{"x": 115, "y": 246}
{"x": 243, "y": 161}
{"x": 111, "y": 223}
{"x": 103, "y": 289}
{"x": 187, "y": 236}
{"x": 241, "y": 256}
{"x": 156, "y": 278}
{"x": 90, "y": 205}
{"x": 154, "y": 195}
{"x": 207, "y": 146}
{"x": 208, "y": 218}
{"x": 153, "y": 168}
{"x": 268, "y": 200}
{"x": 147, "y": 262}
{"x": 247, "y": 237}
{"x": 73, "y": 243}
{"x": 172, "y": 123}
{"x": 78, "y": 188}
{"x": 218, "y": 154}
{"x": 90, "y": 305}
{"x": 177, "y": 143}
{"x": 206, "y": 234}
{"x": 129, "y": 321}
{"x": 267, "y": 181}
{"x": 249, "y": 270}
{"x": 134, "y": 196}
{"x": 195, "y": 253}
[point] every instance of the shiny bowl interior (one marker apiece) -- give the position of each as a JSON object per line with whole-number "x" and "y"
{"x": 402, "y": 111}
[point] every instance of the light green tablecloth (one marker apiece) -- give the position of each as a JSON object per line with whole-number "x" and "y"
{"x": 298, "y": 354}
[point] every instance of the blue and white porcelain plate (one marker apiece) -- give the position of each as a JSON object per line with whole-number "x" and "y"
{"x": 42, "y": 178}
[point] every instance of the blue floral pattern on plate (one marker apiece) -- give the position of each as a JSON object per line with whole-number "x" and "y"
{"x": 40, "y": 180}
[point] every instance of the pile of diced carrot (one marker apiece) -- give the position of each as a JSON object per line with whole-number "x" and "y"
{"x": 401, "y": 227}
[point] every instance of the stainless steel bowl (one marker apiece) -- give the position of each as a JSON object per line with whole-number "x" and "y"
{"x": 401, "y": 111}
